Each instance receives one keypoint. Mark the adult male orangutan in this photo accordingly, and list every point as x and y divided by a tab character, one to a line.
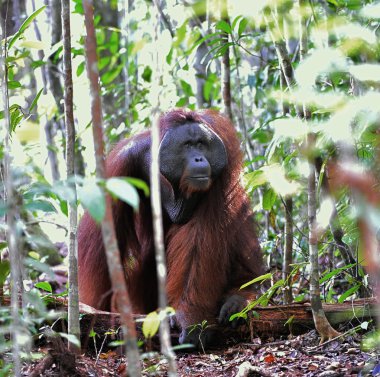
211	245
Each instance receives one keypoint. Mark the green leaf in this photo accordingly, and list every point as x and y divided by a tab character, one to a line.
139	184
235	21
269	199
93	200
348	293
256	280
122	189
242	26
111	75
181	102
35	100
25	24
334	272
147	74
45	286
114	43
5	269
80	68
40	205
180	34
289	321
186	87
224	26
151	325
103	62
14	84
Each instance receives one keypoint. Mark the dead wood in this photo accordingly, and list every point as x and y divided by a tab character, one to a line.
271	320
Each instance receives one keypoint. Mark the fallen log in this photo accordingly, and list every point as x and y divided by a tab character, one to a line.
270	321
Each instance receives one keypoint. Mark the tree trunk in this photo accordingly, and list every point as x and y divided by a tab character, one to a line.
226	66
73	309
108	232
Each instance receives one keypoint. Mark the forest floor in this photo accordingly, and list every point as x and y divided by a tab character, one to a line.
300	356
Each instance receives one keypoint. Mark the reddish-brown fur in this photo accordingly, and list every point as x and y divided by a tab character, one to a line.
208	258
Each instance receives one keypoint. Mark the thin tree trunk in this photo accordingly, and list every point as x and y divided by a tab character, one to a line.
15	253
322	324
73	308
288	206
108	232
166	347
226	66
288	250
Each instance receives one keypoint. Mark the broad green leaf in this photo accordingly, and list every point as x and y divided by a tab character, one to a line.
224	26
151	325
122	189
111	75
14	84
45	286
114	42
25	24
93	200
40	205
182	102
186	87
147	74
269	199
255	179
139	184
103	62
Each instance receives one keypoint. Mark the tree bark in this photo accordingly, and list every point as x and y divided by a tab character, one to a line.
321	322
166	347
14	246
288	250
226	66
73	309
108	232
